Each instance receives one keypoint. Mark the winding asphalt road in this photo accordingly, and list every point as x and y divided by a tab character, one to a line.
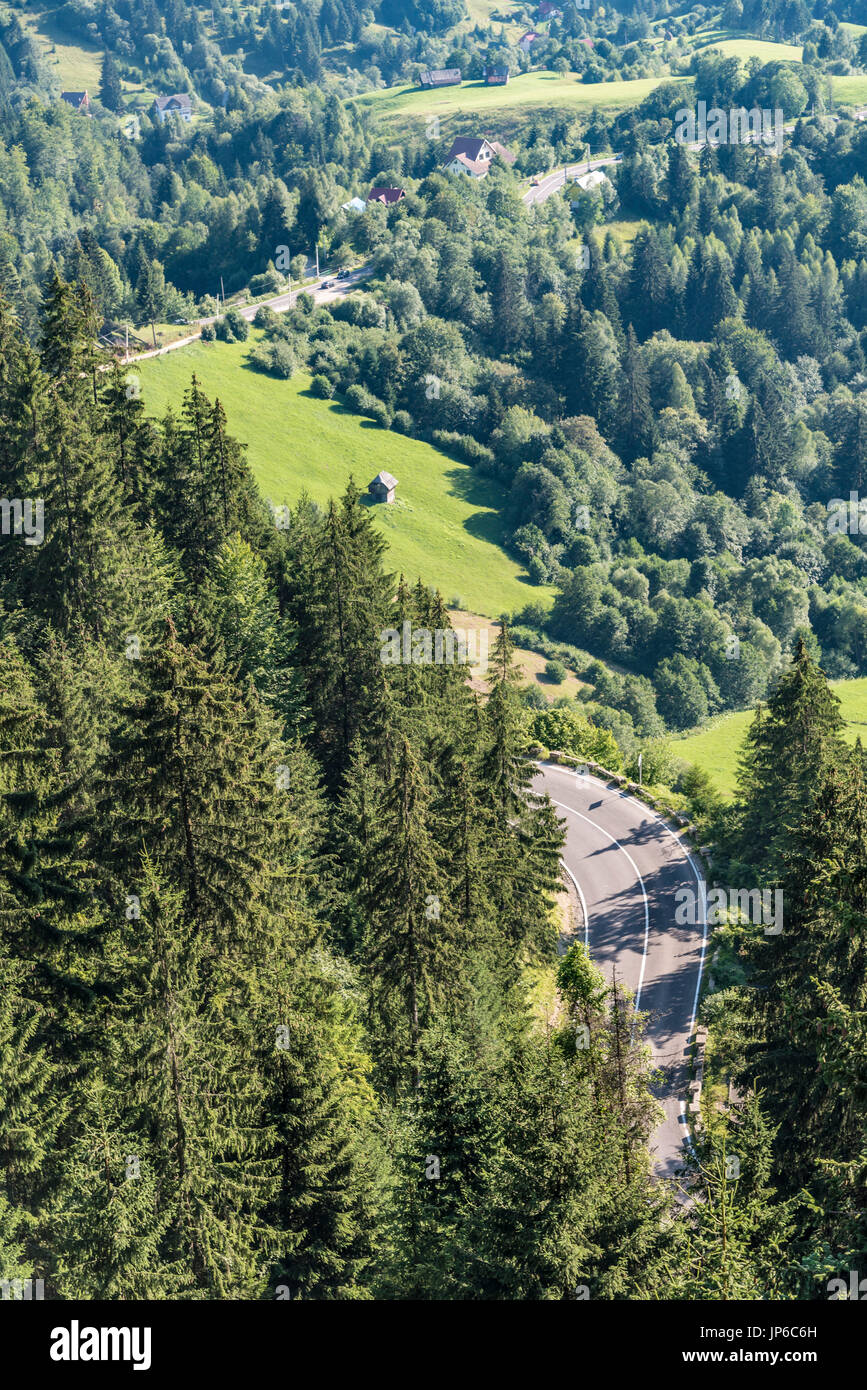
628	865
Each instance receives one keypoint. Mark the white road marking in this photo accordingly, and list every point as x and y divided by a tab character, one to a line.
702	886
625	851
583	903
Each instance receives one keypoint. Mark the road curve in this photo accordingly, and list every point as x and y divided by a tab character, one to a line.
629	864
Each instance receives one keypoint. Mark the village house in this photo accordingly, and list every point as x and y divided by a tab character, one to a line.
441	77
585	183
79	101
496	77
593	182
474	156
386	196
354	205
178	105
527	40
382	487
547	10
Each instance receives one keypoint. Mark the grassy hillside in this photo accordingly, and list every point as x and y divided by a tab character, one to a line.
444	525
850	91
76	65
532	89
738	47
715	748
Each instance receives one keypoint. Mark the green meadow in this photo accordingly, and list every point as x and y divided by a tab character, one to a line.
716	747
531	89
443	526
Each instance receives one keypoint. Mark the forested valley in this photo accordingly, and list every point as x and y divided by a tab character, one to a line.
300	998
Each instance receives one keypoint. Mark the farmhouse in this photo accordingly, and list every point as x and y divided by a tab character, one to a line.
386	196
177	105
441	77
381	489
527	40
496	77
79	101
585	183
473	156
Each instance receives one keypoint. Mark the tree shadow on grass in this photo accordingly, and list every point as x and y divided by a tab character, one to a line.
485	524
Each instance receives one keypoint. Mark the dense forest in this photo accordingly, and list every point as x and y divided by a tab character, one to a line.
271	913
290	1008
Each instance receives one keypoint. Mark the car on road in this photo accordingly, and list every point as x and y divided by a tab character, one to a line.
327	285
343	274
534	183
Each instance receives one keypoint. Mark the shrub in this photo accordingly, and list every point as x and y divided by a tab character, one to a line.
209	333
269	282
277	359
232	328
265	317
365	403
321	387
567	731
555	672
402	422
466	448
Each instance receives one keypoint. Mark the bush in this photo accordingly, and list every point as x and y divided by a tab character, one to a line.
269	282
365	403
233	328
555	672
265	317
277	359
321	387
466	448
209	333
567	731
402	422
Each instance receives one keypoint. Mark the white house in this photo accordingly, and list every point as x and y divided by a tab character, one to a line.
586	182
177	106
354	205
472	157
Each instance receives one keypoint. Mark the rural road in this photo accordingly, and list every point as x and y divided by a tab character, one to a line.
629	864
552	182
280	303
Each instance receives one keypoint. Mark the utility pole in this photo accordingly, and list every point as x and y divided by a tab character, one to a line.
223	292
640	757
317	260
126	353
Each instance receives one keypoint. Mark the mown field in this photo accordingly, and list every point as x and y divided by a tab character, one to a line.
736	46
850	91
531	89
443	527
716	747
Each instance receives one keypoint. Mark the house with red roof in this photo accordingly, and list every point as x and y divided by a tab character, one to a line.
387	196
